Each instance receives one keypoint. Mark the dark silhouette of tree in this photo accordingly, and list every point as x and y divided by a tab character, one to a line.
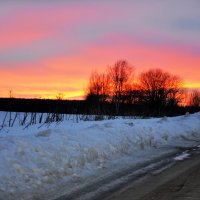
98	90
160	88
156	93
60	96
195	98
121	75
130	94
99	86
11	95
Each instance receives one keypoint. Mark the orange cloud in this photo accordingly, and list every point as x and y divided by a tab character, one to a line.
69	74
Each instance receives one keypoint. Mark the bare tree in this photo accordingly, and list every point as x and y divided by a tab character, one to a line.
98	88
121	74
131	94
160	88
195	98
60	96
11	95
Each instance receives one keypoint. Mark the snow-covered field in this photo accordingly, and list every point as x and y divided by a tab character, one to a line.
37	159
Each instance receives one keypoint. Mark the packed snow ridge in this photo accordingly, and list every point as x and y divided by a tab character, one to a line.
35	160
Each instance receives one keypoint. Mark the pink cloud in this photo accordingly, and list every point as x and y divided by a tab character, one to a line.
85	37
30	23
173	58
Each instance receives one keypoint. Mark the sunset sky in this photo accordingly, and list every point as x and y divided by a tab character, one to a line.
51	47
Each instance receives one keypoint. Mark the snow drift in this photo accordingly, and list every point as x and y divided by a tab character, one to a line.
36	160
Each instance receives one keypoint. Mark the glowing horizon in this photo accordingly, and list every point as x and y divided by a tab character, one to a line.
51	48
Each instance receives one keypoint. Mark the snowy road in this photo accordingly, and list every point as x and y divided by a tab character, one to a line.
98	188
179	182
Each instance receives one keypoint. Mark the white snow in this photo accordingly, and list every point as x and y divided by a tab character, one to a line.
182	156
35	160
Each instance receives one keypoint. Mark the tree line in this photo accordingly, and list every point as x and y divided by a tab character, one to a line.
153	92
118	91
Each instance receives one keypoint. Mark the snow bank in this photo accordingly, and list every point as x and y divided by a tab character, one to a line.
36	160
